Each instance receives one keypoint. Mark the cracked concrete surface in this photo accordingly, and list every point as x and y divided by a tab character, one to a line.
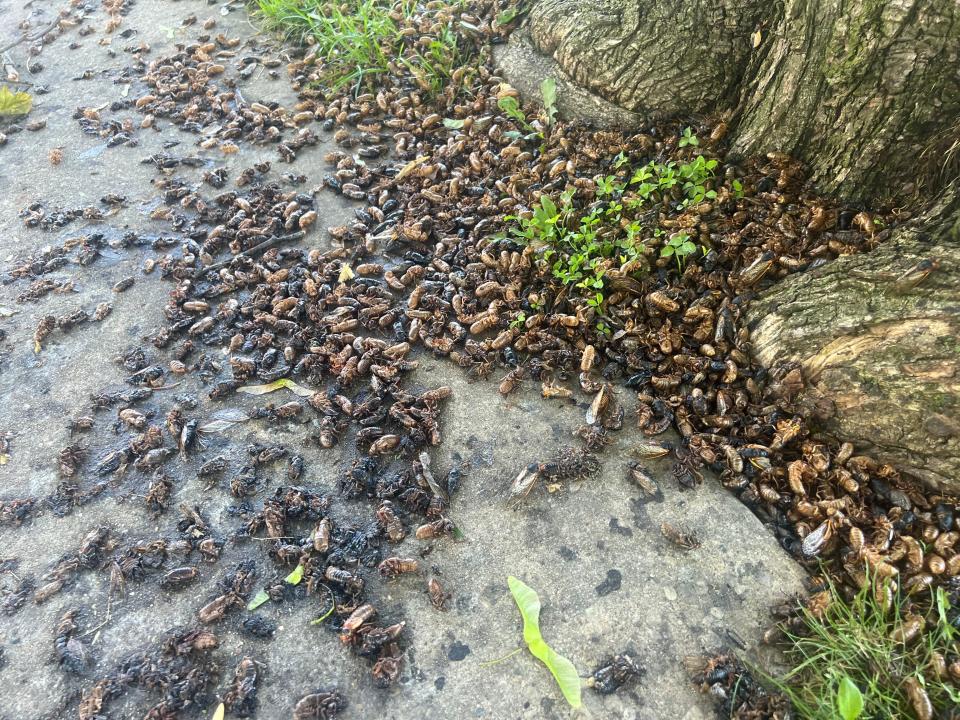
608	580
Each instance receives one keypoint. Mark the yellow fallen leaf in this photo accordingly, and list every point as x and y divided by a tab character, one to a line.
756	38
346	273
12	103
220	712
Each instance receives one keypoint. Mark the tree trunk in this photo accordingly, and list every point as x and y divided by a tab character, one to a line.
861	91
654	58
878	337
867	94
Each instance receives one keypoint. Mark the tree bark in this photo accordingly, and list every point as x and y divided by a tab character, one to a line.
658	59
867	94
878	337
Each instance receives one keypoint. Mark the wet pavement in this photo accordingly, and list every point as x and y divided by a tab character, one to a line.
609	581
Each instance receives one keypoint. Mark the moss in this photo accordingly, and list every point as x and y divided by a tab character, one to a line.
948	343
849	52
940	401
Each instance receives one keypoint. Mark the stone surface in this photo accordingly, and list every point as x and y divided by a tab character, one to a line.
525	68
607	578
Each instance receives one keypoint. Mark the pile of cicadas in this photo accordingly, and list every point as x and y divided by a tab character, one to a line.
435	227
431	264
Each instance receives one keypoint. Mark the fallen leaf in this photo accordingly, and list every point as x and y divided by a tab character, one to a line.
224	420
14	103
296	576
562	669
215	426
233	414
452	123
756	38
276	385
259	599
220	712
346	273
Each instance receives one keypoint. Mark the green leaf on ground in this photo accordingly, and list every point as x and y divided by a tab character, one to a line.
509	104
259	599
849	700
452	123
562	669
14	103
296	576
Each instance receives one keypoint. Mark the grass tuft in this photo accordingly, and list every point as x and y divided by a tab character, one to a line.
360	42
859	640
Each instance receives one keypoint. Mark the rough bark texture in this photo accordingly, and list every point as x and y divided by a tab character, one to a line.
867	93
884	351
654	58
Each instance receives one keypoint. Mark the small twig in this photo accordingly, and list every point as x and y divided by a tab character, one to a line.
106	620
31	37
491	663
266	244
